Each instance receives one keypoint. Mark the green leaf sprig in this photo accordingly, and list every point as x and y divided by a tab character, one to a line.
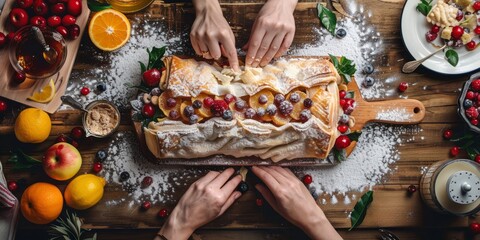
360	210
154	59
96	6
345	67
68	227
424	7
452	57
22	160
327	18
467	141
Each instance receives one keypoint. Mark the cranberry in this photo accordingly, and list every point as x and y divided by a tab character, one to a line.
19	77
307	179
471	45
342	128
173	114
474	122
294	97
262	99
10	36
163	213
58	9
411	189
308	103
40	7
38	21
85	91
68	20
24	3
146	205
279	98
74	7
62	30
343	102
73	31
12	186
171	102
457	32
477	30
447	134
474	226
61	138
97	167
402	87
229	98
435	29
342	94
430	36
3	39
475	85
305	115
151	77
197	104
477	158
470	95
285	108
77	133
147	181
218	107
259	202
459	16
18	17
148	110
342	142
476	5
472	113
454	151
74	143
54	21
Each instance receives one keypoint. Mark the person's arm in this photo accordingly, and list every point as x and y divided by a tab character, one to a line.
211	36
290	198
206	199
272	33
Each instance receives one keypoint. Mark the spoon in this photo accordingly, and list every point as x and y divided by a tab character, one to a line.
72	102
49	54
409	67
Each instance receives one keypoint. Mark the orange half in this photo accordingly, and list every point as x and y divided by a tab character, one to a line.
109	29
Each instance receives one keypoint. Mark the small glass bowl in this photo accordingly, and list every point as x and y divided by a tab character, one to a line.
461	100
90	107
26	52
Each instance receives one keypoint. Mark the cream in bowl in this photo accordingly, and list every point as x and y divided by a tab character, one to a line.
101	119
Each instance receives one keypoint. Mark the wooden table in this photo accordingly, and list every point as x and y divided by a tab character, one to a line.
392	208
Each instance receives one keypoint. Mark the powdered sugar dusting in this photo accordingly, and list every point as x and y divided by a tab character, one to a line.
396	114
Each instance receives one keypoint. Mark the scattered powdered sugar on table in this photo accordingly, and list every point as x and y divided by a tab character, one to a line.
394	114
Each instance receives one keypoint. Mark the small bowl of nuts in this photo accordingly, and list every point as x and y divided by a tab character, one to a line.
469	103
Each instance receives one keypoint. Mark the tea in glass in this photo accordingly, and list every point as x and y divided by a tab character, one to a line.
129	6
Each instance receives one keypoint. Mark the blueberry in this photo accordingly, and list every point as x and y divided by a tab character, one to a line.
308	103
294	97
227	115
262	99
466	30
313	191
156	92
101	87
368	69
197	104
243	187
341	33
279	98
305	115
344	119
260	112
124	176
467	103
173	114
368	82
240	105
271	109
286	107
188	111
171	102
101	155
250	113
193	119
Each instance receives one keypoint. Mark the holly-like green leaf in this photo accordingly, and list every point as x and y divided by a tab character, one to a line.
354	136
327	18
452	57
424	7
96	6
339	155
345	67
360	210
157	55
142	67
22	160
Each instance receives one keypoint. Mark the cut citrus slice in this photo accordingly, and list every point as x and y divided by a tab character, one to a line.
109	29
45	95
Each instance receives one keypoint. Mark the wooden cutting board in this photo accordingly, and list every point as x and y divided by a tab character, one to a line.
20	92
385	111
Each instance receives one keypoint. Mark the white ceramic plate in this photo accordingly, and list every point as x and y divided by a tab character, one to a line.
414	28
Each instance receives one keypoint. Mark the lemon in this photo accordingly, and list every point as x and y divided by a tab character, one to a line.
45	95
84	191
32	126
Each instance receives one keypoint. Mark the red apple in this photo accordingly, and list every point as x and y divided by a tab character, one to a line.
18	17
61	161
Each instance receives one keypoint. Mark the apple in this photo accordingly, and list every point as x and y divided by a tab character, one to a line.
61	161
18	17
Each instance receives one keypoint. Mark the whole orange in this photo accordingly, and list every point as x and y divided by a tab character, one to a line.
41	203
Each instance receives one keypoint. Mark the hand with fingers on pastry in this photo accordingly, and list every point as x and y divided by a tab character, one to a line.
272	32
290	198
205	200
211	36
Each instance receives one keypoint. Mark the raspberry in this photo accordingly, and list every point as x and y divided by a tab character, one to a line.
218	107
471	113
475	85
285	108
208	101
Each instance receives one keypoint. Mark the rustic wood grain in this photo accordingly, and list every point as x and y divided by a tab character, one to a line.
392	208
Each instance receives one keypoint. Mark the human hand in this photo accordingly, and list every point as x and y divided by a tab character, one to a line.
272	33
211	36
206	199
290	198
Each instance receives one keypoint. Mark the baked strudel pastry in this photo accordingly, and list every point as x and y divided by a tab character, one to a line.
286	110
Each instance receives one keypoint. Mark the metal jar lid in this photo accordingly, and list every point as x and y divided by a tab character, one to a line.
463	187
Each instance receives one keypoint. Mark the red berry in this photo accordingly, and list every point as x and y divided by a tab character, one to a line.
476	6
3	39
24	3
435	29
342	142
148	110
477	158
411	189
40	7
151	77
471	113
475	85
74	7
475	227
477	30
12	186
229	98
470	45
85	91
207	102
97	167
307	179
342	94
402	87
58	9
259	202
470	95
68	20
342	128
74	143
19	77
54	21
38	21
77	133
62	30
447	134
10	36
457	32
3	106
171	102
218	107
163	213
73	31
61	138
147	181
459	16
454	151
430	36
343	103
474	122
18	17
146	205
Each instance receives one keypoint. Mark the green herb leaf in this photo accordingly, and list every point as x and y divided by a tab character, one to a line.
157	57
452	57
327	18
350	94
96	6
424	7
345	67
140	87
360	210
142	67
354	135
339	155
22	160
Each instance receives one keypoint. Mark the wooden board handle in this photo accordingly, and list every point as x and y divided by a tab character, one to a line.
399	111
